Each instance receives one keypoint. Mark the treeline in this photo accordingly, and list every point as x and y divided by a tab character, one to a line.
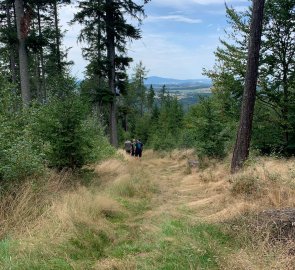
158	119
47	118
50	120
211	125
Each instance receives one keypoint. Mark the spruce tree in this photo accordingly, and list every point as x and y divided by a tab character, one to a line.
107	50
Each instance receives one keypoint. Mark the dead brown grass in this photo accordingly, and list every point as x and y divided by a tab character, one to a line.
22	206
49	212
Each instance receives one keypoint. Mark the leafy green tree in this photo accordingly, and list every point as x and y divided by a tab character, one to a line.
41	49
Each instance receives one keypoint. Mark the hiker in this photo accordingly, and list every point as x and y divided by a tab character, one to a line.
138	148
133	147
128	147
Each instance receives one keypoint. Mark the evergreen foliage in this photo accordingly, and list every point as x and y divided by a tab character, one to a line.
71	137
273	121
64	125
20	155
206	130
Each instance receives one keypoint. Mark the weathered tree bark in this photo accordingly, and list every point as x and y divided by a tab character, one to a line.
241	150
41	67
111	70
22	23
12	48
57	37
37	75
99	53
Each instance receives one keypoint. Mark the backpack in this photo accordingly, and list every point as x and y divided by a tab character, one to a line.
128	145
138	145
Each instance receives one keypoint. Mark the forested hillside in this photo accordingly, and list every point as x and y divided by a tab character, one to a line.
214	188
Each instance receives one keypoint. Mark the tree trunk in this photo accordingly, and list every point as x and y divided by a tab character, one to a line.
285	110
41	68
99	52
37	76
111	70
57	38
241	150
22	31
11	48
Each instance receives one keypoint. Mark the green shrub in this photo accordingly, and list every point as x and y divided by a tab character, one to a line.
20	155
71	138
97	146
205	130
20	160
162	141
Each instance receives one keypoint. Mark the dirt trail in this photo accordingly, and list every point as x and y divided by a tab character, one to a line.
204	194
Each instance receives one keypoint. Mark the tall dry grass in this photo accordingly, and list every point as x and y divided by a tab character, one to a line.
58	211
21	206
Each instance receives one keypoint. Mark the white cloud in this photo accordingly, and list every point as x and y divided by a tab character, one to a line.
161	53
177	18
171	60
182	3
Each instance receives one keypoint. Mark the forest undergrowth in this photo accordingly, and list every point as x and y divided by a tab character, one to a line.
156	213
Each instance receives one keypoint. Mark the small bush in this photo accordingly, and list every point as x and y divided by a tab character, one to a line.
20	155
21	160
71	138
164	142
246	184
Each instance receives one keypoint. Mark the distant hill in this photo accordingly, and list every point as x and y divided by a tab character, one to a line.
158	82
188	92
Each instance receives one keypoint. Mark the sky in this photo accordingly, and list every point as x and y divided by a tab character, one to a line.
179	37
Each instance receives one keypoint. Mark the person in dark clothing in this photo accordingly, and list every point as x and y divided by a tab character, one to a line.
138	148
133	147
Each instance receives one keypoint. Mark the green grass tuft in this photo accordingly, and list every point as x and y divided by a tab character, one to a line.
88	244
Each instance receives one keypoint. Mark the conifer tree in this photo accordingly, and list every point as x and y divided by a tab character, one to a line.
140	89
242	146
276	72
151	98
108	19
23	20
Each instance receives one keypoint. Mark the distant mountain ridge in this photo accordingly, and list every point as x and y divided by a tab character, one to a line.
156	81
